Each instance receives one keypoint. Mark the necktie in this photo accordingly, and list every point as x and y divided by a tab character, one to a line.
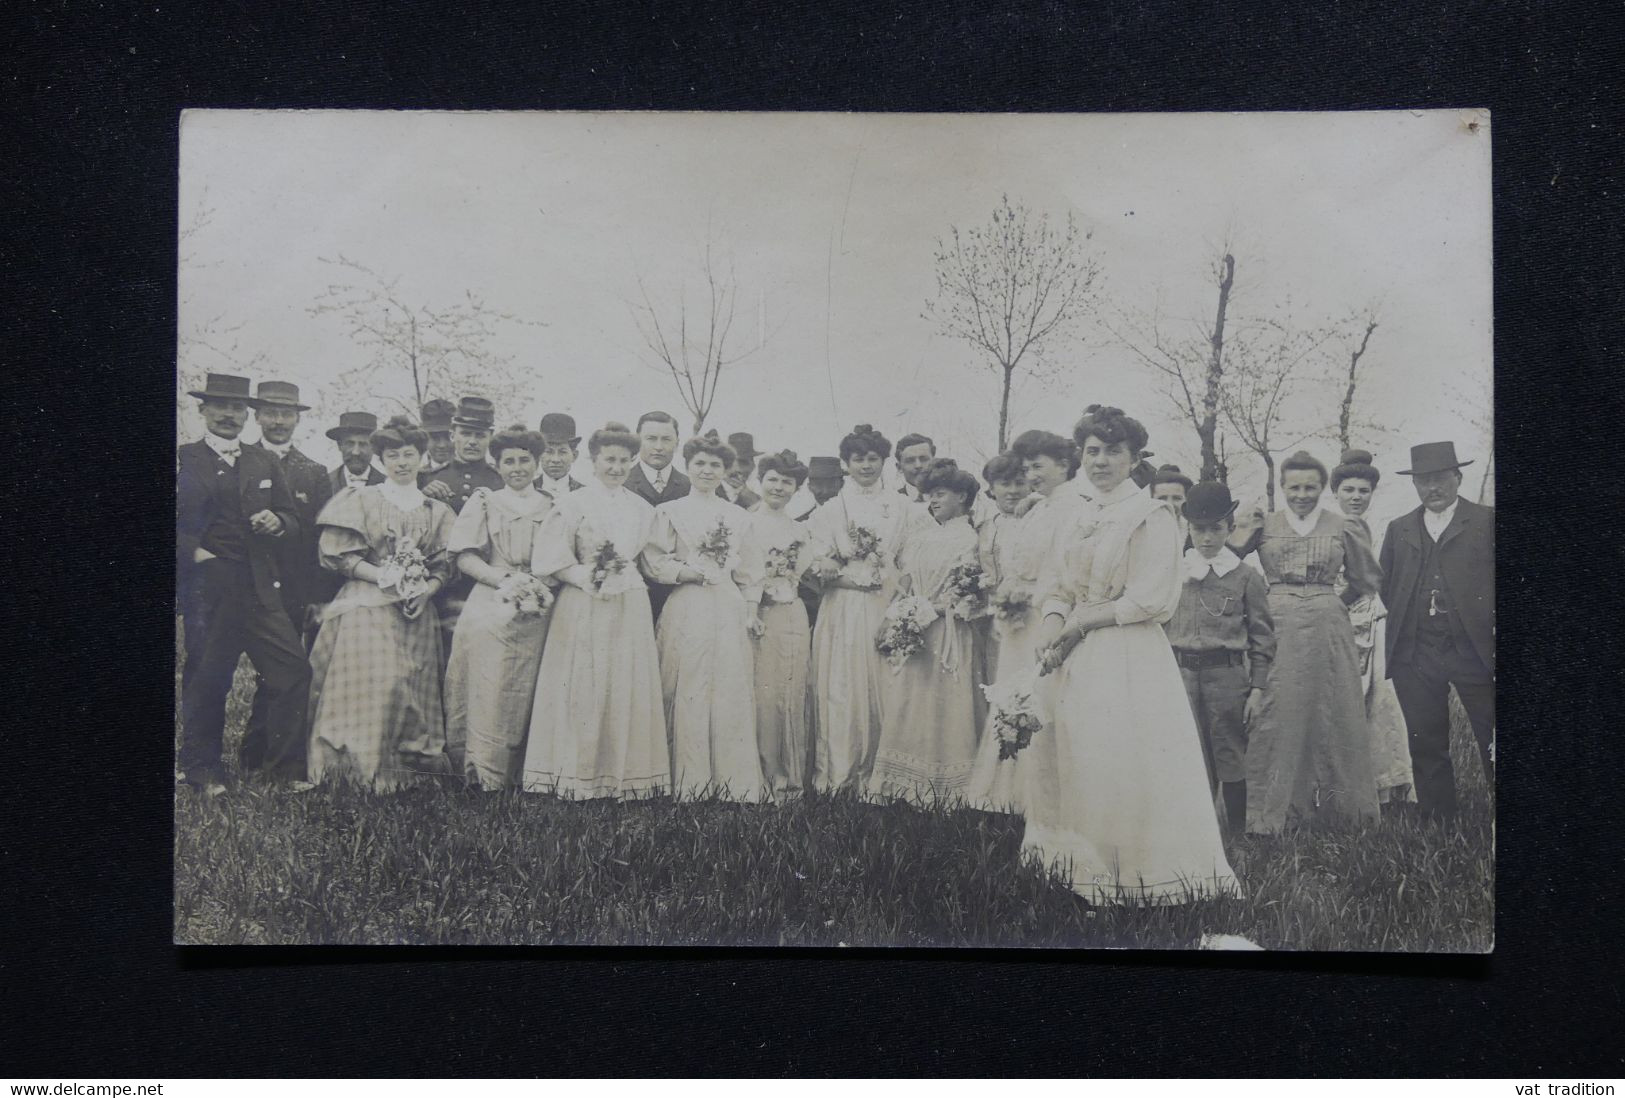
660	481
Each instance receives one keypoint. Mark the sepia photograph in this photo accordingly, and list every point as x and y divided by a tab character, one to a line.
835	530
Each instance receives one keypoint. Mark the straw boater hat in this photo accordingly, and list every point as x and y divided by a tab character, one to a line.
278	394
1433	457
474	411
353	423
1209	501
222	387
558	427
436	416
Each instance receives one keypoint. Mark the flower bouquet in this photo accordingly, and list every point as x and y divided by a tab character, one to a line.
865	555
404	571
967	590
903	632
714	551
529	595
783	569
1014	712
606	564
1011	603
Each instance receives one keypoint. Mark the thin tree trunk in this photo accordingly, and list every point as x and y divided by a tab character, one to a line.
1269	479
1004	408
1215	372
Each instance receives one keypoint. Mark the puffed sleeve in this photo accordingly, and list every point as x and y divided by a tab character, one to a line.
439	561
553	551
659	557
1359	563
472	528
343	525
1151	590
1260	628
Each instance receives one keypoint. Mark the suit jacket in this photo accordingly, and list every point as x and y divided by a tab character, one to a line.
304	581
573	484
676	486
747	499
262	487
336	479
1467	561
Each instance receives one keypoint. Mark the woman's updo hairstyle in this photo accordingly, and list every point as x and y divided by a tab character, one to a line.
399	432
1303	461
785	463
1062	451
613	434
1005	466
1111	426
864	439
946	473
709	443
516	437
1355	465
1170	474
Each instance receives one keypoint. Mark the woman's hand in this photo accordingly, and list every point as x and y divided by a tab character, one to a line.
685	574
1053	656
825	569
754	626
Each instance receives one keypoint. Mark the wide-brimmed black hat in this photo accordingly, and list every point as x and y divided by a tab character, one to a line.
743	444
559	427
474	412
353	423
278	394
436	416
824	467
1209	501
222	387
1432	457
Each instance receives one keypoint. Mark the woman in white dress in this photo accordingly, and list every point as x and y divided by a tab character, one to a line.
781	630
1354	481
697	546
1114	789
933	702
497	646
598	727
856	537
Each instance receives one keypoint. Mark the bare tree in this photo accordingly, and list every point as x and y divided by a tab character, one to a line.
1345	413
203	345
1268	358
419	351
1010	287
689	340
1189	362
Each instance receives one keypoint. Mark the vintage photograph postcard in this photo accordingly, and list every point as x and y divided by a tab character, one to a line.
835	530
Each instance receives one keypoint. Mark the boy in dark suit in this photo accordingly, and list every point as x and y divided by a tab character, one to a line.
1438	582
560	448
233	509
654	479
1224	641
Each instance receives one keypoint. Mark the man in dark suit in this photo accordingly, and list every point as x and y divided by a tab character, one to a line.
435	417
354	437
737	484
233	511
1438	581
913	456
653	478
560	448
469	471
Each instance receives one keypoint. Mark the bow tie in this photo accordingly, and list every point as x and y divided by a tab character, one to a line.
229	452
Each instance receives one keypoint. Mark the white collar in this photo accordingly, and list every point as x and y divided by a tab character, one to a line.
1437	522
404	496
226	448
1305	526
356	480
1126	489
280	451
652	474
1197	566
544	481
853	488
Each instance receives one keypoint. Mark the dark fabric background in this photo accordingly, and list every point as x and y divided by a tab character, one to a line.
90	985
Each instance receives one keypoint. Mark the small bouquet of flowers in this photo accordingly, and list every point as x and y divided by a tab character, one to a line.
903	632
1014	712
1012	602
606	564
714	552
865	552
966	589
783	569
404	571
529	595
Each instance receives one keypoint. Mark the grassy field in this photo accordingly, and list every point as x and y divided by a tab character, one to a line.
455	867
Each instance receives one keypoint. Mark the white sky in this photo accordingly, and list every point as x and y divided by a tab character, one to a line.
831	222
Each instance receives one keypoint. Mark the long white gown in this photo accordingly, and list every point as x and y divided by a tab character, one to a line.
707	672
1114	789
784	701
847	669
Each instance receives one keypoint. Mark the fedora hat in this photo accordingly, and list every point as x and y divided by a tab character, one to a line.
824	467
744	445
223	387
353	423
278	394
559	427
1209	501
1432	457
474	411
436	416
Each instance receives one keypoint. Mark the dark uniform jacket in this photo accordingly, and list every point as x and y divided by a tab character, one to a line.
213	502
1466	561
463	477
677	485
304	583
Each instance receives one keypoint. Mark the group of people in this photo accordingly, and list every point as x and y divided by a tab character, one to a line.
473	613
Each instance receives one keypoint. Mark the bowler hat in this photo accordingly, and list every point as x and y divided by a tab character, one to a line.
1209	501
353	423
222	387
743	445
436	416
558	427
474	412
824	467
1432	457
278	394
